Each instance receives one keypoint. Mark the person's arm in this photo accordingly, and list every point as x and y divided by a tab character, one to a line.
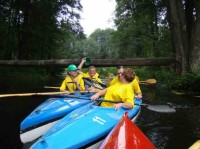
136	88
92	89
82	85
97	95
82	63
79	84
79	87
139	95
124	105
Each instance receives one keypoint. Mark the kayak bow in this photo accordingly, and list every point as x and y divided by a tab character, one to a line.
126	135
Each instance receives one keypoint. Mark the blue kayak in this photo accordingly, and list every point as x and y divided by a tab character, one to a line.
84	127
48	113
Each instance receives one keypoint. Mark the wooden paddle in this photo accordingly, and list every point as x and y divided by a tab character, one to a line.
53	87
149	81
87	81
38	94
32	94
196	145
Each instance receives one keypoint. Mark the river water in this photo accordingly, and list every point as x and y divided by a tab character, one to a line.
177	130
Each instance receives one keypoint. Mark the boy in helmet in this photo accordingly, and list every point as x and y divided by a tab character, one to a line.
73	82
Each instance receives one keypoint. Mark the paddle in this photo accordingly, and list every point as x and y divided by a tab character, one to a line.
160	108
53	87
38	94
32	94
156	108
149	81
88	82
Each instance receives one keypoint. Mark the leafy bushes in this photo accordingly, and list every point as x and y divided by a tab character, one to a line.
188	82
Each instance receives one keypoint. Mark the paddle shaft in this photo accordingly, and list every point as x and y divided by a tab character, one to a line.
155	108
38	94
53	87
148	81
100	99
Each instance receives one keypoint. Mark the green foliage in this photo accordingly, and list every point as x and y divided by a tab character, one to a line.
36	29
142	29
51	29
188	82
98	45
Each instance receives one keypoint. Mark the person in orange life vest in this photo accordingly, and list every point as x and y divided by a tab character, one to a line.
73	81
92	74
120	92
134	83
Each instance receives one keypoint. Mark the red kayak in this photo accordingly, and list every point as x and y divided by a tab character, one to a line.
126	135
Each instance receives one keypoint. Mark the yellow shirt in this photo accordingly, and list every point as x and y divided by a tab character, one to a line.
68	84
137	78
134	84
119	92
94	78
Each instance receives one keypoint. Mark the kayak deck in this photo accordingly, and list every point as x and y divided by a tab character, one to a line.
83	126
48	113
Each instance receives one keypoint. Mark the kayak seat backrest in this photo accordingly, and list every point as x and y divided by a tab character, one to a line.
97	103
91	83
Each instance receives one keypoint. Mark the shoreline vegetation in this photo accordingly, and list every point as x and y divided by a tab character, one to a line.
179	85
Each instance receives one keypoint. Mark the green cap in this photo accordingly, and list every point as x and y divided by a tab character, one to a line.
88	61
72	67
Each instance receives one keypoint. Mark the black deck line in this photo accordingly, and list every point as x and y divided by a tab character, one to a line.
41	124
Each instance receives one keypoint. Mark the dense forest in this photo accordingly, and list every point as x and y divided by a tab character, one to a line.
50	29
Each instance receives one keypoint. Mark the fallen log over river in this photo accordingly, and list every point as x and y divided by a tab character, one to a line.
95	62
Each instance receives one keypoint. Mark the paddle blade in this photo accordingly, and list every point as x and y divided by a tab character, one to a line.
161	108
149	81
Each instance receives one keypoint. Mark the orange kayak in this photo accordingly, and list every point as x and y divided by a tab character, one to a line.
126	135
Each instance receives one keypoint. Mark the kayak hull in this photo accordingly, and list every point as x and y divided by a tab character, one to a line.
47	114
126	135
83	128
33	134
98	143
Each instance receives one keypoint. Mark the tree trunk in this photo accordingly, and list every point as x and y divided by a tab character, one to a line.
23	51
176	18
195	41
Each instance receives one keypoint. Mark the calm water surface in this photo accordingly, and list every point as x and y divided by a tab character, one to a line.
166	130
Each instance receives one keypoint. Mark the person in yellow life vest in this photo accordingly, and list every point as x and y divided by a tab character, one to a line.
134	83
120	92
91	74
73	82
